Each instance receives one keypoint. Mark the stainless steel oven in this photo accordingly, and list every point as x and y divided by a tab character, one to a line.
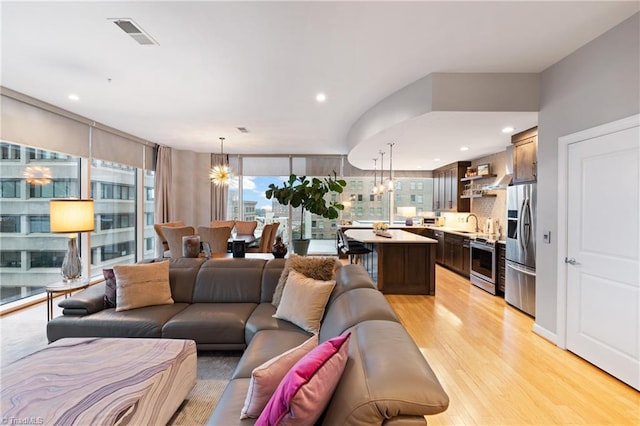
483	264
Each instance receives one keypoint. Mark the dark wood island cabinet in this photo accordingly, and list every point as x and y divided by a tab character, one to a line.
401	264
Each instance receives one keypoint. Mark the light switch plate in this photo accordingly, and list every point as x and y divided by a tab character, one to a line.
546	237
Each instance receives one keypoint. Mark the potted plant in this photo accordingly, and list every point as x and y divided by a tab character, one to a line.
309	195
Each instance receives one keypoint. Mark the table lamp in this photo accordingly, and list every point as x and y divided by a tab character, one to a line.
408	212
71	216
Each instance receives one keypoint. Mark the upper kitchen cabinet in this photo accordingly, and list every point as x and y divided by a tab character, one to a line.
447	189
525	156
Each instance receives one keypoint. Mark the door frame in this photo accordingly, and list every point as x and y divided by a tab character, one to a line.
563	181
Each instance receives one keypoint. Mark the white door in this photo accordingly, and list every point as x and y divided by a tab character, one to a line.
603	253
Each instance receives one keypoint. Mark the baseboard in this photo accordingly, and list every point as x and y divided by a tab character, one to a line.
546	334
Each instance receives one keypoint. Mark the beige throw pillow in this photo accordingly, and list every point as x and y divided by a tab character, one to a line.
141	285
318	268
303	301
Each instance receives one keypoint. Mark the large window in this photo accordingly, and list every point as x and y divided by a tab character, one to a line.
30	256
113	240
360	203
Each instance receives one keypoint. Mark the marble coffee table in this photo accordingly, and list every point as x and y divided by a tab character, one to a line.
100	381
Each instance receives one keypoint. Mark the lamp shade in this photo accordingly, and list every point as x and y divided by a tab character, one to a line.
71	215
407	211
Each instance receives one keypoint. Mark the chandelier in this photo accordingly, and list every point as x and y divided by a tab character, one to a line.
221	174
37	175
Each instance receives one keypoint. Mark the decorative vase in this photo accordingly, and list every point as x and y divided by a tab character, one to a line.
279	250
71	265
191	246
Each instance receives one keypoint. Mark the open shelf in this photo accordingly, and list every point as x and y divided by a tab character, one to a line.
466	179
478	195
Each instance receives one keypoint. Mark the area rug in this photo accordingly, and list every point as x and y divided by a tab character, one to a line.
214	372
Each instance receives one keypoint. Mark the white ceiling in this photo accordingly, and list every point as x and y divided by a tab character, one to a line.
220	65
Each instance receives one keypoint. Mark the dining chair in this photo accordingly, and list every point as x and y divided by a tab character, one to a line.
267	239
174	236
220	223
216	236
246	227
158	228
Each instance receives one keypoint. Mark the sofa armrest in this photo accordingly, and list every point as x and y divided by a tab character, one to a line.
86	302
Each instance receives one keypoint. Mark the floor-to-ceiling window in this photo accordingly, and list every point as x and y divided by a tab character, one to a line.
30	256
247	199
113	189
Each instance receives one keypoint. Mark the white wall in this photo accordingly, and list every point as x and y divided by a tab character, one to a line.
596	84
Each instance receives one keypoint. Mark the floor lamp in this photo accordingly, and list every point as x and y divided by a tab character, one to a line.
71	216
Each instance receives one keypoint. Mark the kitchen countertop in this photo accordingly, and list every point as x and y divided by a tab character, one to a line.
398	236
470	234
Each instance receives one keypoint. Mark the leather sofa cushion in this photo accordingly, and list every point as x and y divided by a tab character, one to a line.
141	322
219	323
349	277
182	277
265	345
227	411
386	376
353	307
229	281
85	302
262	319
270	276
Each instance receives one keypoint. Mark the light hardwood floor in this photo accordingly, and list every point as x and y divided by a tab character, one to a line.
499	372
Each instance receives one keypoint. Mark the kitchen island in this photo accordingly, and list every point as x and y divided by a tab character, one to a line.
403	263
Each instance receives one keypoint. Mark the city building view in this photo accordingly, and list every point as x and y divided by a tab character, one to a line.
30	255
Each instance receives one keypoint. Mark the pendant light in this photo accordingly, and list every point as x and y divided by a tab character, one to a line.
381	187
390	182
374	191
221	174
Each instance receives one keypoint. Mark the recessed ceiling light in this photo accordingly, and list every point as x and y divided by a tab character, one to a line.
321	97
74	97
464	148
508	129
436	159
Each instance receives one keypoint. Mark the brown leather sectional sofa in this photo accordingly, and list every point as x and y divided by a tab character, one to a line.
225	304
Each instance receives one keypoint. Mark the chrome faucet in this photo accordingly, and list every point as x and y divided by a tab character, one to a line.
476	217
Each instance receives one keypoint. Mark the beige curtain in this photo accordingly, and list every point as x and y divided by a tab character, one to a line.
163	208
219	194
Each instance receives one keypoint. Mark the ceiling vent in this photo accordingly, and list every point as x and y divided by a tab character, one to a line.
128	26
242	129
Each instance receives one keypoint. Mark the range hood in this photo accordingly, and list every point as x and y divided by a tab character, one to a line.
500	183
504	181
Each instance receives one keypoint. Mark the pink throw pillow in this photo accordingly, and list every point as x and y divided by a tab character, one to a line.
266	377
305	391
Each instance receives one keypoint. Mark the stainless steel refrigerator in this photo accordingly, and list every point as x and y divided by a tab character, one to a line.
520	284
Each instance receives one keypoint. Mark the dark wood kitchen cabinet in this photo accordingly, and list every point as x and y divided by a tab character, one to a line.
502	265
454	253
437	235
525	156
447	189
466	258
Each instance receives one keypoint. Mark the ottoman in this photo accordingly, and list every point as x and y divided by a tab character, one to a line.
100	381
